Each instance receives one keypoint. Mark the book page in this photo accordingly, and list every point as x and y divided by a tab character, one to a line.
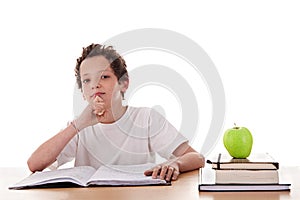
124	175
77	175
254	161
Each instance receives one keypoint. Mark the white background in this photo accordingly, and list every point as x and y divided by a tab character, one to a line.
254	45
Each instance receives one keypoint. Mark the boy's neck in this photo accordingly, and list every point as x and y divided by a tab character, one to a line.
114	115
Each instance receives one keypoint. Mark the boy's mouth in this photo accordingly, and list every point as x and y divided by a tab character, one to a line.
98	94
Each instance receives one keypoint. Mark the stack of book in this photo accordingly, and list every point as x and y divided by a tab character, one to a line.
259	172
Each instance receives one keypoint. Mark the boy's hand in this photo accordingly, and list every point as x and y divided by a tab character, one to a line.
167	171
92	114
98	106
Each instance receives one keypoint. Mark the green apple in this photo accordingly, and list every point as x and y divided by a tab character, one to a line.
238	142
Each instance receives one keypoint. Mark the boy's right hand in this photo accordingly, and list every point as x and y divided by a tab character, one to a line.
98	106
88	117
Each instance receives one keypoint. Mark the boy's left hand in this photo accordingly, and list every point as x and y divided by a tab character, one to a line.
167	171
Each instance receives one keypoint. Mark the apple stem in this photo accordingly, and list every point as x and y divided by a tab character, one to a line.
235	127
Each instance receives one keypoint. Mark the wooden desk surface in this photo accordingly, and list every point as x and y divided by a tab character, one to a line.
186	187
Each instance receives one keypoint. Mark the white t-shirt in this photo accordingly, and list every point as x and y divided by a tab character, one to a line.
133	139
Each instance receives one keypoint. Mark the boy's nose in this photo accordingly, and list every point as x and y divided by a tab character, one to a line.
96	84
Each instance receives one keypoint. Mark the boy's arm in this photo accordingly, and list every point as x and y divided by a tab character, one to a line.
187	159
47	153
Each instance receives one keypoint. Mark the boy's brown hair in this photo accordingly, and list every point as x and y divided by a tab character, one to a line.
117	63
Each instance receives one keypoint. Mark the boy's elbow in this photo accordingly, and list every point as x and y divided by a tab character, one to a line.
31	165
35	164
198	160
201	159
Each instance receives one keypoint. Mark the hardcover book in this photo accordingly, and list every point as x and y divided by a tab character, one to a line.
207	184
247	176
85	176
262	161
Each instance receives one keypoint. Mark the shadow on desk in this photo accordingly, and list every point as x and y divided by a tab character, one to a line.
245	195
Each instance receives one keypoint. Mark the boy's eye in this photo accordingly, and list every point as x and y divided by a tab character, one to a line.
104	76
85	81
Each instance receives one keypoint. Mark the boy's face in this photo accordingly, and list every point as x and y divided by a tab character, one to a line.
98	79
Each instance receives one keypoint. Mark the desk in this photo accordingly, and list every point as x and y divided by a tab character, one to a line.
186	187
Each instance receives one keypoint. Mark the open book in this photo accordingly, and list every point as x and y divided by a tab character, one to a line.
84	176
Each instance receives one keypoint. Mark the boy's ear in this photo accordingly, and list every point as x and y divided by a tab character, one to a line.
124	85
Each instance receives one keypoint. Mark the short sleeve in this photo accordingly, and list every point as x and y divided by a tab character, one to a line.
68	153
164	137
